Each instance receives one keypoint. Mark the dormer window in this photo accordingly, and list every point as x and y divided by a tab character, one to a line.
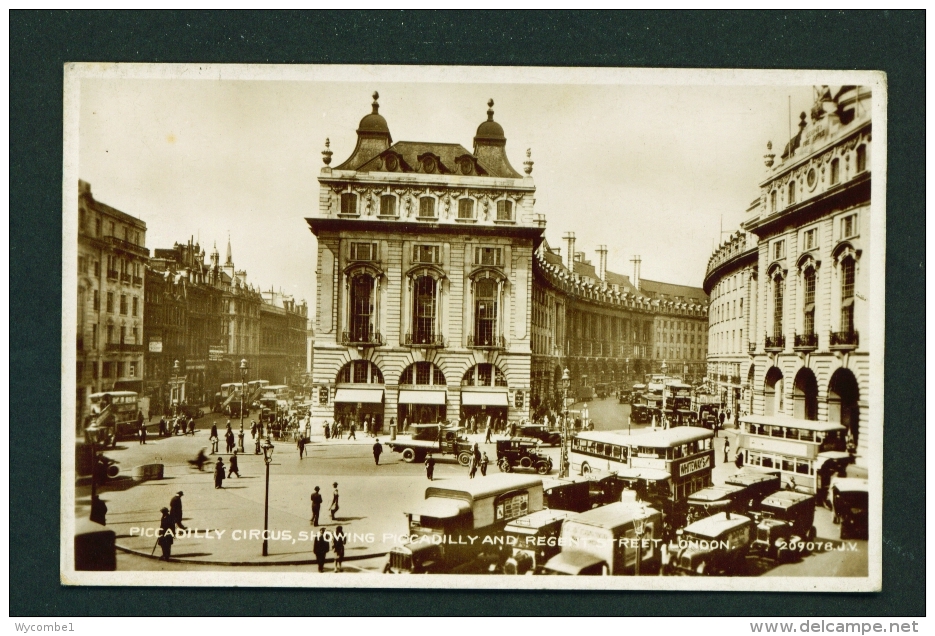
465	208
348	203
427	208
429	165
504	210
387	205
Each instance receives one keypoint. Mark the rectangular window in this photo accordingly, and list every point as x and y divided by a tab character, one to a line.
363	251
810	239
488	256
97	227
136	335
465	208
348	203
861	158
777	307
97	300
835	171
847	295
504	210
849	226
791	192
779	250
123	335
426	254
110	302
135	305
387	205
809	315
94	337
427	208
123	304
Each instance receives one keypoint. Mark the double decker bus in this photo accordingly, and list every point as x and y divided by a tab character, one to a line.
115	411
807	453
664	466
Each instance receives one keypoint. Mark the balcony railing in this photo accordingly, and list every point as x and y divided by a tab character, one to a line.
125	347
775	343
493	342
751	347
126	278
127	246
430	341
138	281
113	274
806	341
844	339
372	339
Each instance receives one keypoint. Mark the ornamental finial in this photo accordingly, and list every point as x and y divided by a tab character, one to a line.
326	153
528	163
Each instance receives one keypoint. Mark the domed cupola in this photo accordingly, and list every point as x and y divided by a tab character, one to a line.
373	137
490	147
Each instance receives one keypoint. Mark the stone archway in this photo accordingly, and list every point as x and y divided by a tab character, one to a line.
772	392
843	401
805	395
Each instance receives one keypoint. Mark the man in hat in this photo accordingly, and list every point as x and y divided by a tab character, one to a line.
320	548
234	469
214	438
377	451
334	502
164	535
316	505
219	473
175	510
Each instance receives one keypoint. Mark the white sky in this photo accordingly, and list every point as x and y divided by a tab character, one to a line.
646	170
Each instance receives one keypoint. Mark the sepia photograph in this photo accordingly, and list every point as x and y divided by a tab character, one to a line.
327	326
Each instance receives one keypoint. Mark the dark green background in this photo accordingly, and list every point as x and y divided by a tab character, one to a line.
41	42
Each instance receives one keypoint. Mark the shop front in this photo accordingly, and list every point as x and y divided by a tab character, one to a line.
420	406
482	407
359	405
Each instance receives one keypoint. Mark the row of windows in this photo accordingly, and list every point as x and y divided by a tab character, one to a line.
427	207
127	233
786	464
811	178
115	335
848	228
847	273
109	370
679	353
125	305
429	254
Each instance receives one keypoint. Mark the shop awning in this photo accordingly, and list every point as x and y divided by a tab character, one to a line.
410	396
364	396
484	398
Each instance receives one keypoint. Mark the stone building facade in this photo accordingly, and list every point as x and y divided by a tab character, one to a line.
728	277
807	331
283	339
680	326
112	259
424	277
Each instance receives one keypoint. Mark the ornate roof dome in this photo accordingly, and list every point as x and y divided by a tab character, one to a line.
374	122
490	130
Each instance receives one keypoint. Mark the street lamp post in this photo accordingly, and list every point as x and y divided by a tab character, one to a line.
566	383
175	388
639	527
268	458
243	377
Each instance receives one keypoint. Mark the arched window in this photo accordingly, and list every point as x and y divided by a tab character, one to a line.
484	374
360	372
504	210
424	373
485	312
843	407
848	268
361	327
808	317
777	306
424	309
348	203
772	392
805	395
465	208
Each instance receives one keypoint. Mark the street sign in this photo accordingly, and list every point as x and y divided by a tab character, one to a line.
155	345
216	353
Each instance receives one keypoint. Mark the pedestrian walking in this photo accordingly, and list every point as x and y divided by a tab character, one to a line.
337	545
377	451
726	450
240	436
430	467
316	506
165	535
484	460
142	432
333	509
175	426
219	474
234	468
320	548
476	453
720	423
229	438
301	446
327	430
214	438
352	432
472	467
175	511
253	429
162	427
488	433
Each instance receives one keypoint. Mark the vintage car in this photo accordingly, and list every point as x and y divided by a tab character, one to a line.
534	539
541	433
715	545
785	520
189	410
849	497
522	452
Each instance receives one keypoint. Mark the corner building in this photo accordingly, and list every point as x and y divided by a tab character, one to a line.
807	282
424	273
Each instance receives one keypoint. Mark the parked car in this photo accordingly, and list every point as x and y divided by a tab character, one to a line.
522	452
849	496
192	411
784	521
541	433
714	545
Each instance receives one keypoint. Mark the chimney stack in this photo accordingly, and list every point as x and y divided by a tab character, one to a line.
636	270
602	262
570	251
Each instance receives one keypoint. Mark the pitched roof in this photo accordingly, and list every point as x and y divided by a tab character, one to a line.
655	288
411	151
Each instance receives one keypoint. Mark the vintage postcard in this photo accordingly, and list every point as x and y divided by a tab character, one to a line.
564	328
